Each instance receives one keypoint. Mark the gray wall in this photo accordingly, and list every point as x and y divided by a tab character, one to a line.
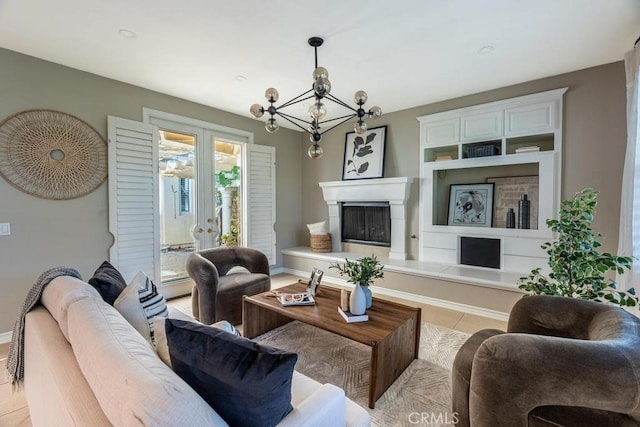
46	233
594	145
49	233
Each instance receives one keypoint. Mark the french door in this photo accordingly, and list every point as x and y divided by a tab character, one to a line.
199	186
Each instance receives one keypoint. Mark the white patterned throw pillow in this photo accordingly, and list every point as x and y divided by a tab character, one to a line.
139	303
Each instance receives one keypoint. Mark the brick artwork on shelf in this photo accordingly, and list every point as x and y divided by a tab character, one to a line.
506	194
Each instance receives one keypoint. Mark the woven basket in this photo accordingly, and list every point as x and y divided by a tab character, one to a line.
320	242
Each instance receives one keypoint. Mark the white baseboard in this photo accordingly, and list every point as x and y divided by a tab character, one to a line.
276	270
5	337
465	308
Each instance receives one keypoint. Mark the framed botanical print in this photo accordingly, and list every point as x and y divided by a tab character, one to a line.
364	154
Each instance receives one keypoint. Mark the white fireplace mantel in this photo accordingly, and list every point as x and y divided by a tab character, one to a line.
392	190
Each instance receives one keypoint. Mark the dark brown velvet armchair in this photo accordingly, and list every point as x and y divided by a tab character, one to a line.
217	294
562	362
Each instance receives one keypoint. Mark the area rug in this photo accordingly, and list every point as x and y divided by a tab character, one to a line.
421	394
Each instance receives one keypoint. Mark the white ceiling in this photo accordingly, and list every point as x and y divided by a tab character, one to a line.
404	53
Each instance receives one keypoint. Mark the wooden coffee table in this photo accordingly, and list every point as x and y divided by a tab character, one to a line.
392	331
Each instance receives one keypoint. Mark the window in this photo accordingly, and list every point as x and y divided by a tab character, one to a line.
185	196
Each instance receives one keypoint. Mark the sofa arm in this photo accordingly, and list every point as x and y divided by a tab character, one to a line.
515	373
461	373
554	316
205	276
324	408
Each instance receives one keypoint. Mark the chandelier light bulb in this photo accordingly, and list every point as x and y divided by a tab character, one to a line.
320	72
322	86
257	110
272	95
360	97
360	127
317	110
271	126
375	112
315	151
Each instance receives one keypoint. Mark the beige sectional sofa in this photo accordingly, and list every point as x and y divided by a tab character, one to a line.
85	365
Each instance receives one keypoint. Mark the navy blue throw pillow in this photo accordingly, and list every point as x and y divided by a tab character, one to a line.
108	282
246	383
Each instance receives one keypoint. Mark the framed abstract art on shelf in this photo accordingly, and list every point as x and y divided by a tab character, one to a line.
471	205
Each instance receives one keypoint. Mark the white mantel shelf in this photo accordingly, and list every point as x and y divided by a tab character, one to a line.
379	189
392	190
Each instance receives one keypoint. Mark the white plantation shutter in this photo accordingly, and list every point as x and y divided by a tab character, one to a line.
261	199
134	201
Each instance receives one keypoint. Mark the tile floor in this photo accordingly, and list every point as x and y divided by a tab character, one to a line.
14	411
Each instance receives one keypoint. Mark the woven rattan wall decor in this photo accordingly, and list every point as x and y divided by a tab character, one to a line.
51	155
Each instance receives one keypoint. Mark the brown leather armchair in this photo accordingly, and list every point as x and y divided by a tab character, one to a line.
562	362
218	290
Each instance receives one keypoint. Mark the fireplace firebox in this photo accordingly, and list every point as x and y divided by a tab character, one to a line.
366	222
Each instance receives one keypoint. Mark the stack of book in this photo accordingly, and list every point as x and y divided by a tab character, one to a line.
530	149
352	318
442	158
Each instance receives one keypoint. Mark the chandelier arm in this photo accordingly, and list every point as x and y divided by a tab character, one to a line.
296	99
338	124
339	102
289	118
347	117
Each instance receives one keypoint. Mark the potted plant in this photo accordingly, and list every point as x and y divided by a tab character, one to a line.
361	273
578	269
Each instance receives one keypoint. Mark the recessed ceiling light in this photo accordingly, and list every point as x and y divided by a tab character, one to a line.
240	78
485	50
127	34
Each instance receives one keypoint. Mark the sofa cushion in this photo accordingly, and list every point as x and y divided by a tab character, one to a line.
134	387
139	303
245	382
108	282
60	293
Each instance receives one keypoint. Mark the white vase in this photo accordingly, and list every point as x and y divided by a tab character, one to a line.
357	300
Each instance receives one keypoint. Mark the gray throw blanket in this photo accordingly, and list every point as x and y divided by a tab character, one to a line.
15	359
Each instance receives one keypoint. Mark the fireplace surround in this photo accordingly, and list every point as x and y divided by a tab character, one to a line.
394	191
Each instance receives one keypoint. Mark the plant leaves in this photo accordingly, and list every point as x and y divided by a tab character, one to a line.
363	151
371	137
363	167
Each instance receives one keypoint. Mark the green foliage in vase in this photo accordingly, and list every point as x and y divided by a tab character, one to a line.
362	271
578	269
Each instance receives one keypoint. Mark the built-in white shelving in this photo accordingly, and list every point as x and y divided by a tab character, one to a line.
449	145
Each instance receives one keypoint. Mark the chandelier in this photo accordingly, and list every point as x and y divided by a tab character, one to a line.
320	91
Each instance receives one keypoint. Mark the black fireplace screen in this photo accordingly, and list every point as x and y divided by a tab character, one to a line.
368	223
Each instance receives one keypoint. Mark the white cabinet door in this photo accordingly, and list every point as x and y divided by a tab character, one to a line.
442	132
531	119
481	126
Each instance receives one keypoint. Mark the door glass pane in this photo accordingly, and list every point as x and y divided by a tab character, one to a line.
228	158
177	203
